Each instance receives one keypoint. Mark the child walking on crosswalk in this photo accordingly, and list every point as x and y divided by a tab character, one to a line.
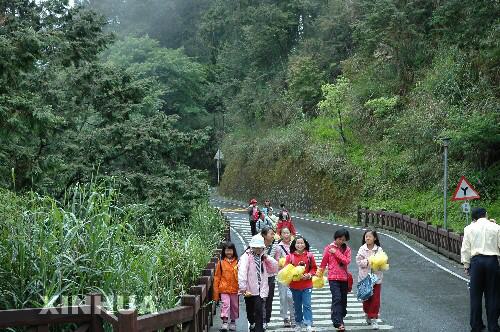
302	286
226	286
370	245
337	257
253	269
286	300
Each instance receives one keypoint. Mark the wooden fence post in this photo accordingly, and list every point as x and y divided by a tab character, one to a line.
199	291
208	272
192	301
127	320
96	322
397	219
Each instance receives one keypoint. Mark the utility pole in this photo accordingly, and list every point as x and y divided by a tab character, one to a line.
446	142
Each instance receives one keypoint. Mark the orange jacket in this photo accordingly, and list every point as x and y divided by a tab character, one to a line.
226	278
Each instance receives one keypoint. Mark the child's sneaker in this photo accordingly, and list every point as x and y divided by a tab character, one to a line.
368	320
265	326
232	326
286	323
298	328
374	324
251	328
309	329
224	327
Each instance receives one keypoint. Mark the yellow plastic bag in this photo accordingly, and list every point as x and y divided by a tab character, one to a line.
285	275
379	261
318	282
281	262
298	272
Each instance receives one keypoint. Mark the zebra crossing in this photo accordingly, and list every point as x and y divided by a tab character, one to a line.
321	298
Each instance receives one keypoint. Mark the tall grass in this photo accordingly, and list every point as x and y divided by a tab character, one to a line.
91	243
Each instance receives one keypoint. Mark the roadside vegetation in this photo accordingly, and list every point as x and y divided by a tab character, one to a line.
92	241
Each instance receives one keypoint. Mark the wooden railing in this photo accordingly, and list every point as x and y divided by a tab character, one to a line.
194	313
444	241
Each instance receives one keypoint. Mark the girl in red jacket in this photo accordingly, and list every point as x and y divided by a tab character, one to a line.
285	221
337	257
302	289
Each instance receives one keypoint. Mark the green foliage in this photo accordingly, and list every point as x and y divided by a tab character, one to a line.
336	104
181	81
276	166
428	206
321	94
93	242
381	107
173	23
304	81
67	114
395	77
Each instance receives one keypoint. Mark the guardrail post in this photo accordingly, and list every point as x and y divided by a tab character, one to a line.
127	320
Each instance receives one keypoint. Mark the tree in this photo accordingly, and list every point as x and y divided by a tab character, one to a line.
181	82
67	117
334	103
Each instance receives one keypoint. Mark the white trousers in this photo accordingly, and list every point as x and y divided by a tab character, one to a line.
286	303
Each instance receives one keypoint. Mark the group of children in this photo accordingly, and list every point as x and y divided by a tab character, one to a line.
253	275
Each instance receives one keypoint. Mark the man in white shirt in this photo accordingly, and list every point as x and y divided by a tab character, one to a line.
480	254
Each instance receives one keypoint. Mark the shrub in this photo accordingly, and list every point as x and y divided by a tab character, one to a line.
90	242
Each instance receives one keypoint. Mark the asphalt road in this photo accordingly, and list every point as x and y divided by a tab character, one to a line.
422	291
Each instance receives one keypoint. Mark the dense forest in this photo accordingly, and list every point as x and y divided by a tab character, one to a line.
103	183
330	104
321	104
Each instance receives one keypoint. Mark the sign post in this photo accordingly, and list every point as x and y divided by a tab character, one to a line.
466	210
218	157
465	192
446	141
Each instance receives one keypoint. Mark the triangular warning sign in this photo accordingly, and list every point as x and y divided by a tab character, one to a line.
464	191
219	155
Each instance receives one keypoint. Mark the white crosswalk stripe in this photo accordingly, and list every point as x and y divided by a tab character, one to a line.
321	298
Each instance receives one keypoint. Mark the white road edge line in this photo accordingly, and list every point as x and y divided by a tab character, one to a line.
239	236
401	242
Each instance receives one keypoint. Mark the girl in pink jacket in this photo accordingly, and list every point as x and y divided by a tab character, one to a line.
370	245
253	269
337	256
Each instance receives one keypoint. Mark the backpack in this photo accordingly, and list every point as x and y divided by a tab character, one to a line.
255	214
284	250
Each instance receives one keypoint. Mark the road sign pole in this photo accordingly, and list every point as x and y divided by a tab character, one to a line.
218	158
218	171
467	214
445	180
466	217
